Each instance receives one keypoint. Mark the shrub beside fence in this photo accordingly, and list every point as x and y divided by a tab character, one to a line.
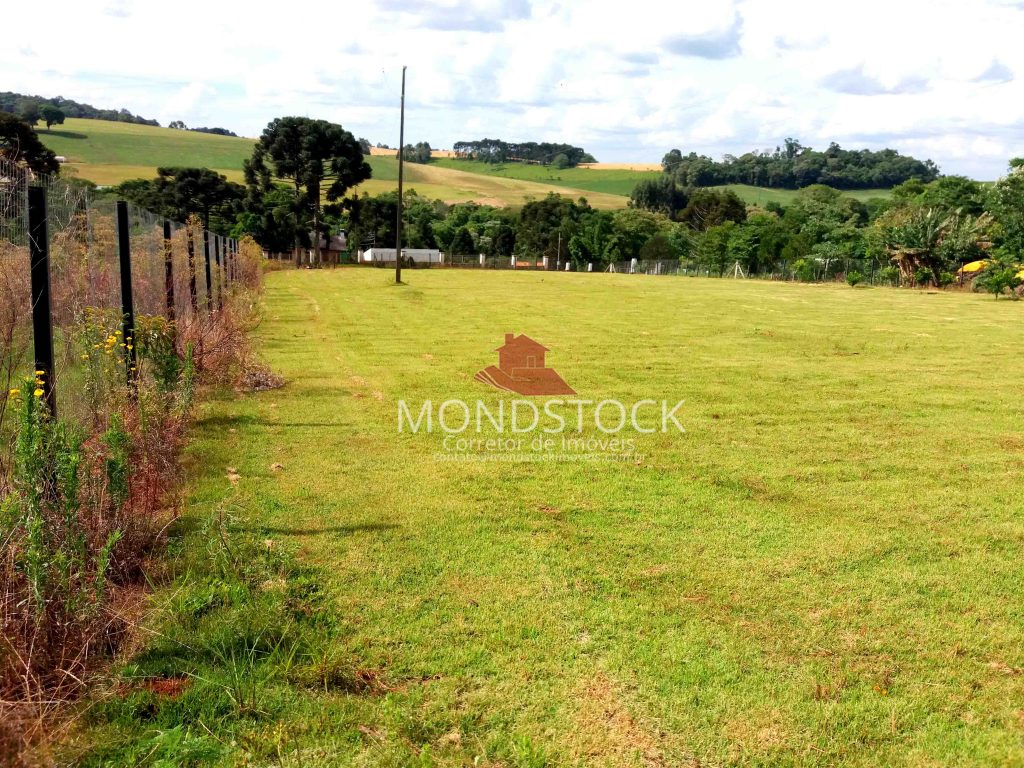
109	316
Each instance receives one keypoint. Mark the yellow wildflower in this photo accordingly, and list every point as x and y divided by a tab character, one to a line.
14	393
40	373
38	392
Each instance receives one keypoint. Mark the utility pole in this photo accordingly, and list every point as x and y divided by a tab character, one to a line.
398	226
558	254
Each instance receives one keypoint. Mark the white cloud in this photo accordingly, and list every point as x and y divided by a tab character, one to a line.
929	77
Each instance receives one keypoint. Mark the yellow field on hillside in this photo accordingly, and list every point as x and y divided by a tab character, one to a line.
452	185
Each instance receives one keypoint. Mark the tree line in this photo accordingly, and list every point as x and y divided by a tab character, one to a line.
53	111
794	166
921	235
20	104
180	126
497	151
554	227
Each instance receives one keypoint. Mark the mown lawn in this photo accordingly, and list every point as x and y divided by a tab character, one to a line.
825	569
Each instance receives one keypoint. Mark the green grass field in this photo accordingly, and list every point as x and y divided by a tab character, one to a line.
608	181
618	182
109	153
825	569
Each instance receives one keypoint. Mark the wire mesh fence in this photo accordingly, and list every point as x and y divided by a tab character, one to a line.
811	269
110	267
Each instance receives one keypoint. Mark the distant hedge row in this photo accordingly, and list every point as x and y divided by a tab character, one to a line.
14	103
543	153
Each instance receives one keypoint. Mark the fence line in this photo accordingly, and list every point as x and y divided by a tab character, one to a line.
810	270
76	270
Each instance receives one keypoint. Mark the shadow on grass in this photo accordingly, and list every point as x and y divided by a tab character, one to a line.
67	134
226	421
298	424
341	530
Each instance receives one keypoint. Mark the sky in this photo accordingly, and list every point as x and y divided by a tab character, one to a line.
627	81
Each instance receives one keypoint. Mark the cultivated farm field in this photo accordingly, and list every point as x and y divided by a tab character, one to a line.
823	570
445	180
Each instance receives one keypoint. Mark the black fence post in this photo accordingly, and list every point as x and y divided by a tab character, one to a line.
42	318
124	249
168	271
191	243
220	272
209	277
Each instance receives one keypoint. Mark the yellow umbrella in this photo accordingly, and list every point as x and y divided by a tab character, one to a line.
974	266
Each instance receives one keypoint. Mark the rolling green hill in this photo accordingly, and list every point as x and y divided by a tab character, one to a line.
109	153
613	182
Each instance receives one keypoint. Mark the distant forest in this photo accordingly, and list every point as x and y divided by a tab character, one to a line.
541	153
14	103
794	166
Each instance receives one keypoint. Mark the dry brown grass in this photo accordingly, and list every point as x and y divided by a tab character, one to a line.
608	734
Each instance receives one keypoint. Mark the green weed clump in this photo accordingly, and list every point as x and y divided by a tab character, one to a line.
60	543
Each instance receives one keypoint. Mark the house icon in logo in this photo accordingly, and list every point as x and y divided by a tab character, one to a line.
521	369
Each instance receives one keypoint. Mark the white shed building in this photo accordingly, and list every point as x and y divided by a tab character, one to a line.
387	256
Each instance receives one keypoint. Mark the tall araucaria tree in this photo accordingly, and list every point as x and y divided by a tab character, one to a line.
319	158
184	191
